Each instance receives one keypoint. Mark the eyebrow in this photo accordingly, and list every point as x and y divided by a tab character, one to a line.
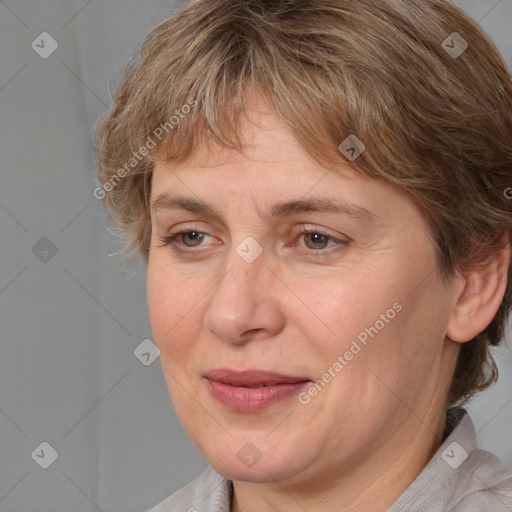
319	204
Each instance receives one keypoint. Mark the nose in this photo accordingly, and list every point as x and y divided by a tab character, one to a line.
245	303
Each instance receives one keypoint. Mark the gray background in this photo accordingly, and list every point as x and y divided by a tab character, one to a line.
70	315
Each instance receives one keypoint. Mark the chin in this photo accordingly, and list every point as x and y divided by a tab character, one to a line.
261	473
244	461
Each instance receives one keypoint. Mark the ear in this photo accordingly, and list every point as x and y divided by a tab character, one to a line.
479	299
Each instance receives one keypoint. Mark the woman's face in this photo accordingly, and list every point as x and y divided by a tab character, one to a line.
353	305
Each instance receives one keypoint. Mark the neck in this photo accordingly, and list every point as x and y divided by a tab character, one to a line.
374	482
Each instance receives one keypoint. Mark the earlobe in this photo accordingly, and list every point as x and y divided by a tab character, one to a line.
479	299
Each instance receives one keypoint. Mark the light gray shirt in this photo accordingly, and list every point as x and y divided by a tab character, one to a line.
460	477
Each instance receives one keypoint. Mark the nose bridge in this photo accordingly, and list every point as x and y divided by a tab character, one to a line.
245	265
239	295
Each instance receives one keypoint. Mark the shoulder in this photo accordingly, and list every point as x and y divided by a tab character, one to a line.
460	477
484	483
210	491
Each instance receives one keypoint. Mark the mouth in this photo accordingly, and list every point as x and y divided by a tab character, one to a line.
249	386
252	378
252	390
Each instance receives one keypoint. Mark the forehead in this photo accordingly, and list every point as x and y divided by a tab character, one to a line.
275	173
264	136
267	142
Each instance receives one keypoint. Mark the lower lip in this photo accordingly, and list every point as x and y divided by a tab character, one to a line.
252	399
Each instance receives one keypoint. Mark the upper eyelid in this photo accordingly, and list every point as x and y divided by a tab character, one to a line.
301	229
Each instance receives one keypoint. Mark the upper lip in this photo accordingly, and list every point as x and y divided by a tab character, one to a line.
252	377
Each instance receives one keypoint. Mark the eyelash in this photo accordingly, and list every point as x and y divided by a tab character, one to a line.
170	240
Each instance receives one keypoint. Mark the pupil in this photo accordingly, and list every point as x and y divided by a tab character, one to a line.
316	237
193	234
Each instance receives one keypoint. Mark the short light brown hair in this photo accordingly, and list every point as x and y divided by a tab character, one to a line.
436	124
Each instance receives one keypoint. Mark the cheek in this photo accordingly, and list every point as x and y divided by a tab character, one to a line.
341	310
172	309
370	319
171	312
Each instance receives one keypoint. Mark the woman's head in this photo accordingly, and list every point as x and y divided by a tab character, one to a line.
401	108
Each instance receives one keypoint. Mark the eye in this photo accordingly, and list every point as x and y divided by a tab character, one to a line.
194	236
318	239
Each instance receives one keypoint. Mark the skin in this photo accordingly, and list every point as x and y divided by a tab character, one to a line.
360	442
